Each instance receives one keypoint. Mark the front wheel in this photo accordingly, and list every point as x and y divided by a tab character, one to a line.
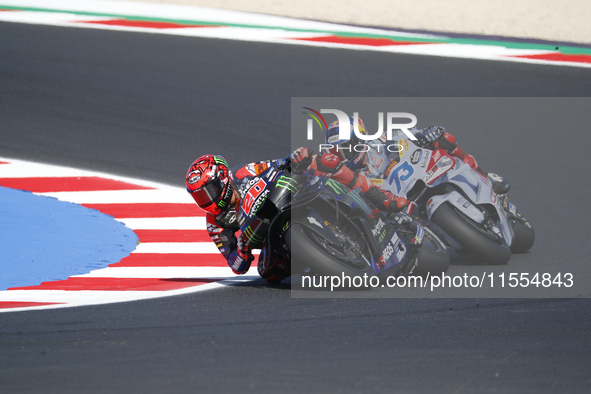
433	257
524	235
482	243
350	258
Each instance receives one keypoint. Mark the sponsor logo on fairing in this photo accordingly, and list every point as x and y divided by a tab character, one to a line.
314	180
254	195
463	202
378	227
315	222
436	156
420	234
416	156
394	246
427	154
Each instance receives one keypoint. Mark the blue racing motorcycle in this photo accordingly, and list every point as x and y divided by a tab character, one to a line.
328	229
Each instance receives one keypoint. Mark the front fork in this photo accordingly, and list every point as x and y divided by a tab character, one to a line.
511	212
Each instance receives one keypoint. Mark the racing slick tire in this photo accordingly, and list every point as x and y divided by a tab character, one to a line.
481	243
433	258
308	248
524	235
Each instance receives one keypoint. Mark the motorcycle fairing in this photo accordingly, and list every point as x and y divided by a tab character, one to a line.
480	192
457	200
313	220
255	232
444	169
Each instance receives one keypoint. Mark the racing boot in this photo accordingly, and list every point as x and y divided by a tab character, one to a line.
500	184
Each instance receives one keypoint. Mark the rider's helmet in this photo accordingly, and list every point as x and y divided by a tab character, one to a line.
350	150
209	181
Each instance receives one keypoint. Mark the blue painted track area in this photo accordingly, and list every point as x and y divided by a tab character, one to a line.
46	239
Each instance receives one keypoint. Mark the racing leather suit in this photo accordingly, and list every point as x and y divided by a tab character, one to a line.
273	265
438	138
380	159
382	154
329	165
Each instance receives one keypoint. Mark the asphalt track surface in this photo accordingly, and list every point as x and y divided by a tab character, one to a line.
145	106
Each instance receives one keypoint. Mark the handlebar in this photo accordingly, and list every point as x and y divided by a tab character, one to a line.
287	165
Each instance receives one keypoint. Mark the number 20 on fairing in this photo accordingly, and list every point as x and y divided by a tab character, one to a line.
253	193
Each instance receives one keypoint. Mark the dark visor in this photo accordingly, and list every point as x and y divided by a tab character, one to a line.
209	193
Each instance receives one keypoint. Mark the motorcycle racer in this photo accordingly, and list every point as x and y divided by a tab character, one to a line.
219	191
378	158
435	137
330	165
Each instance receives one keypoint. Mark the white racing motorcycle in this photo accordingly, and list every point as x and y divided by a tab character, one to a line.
461	204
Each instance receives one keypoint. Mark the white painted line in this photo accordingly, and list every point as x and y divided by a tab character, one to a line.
166	272
242	34
176	247
34	170
178	223
124	196
47	17
461	50
50	169
90	297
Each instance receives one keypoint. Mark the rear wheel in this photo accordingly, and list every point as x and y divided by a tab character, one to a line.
479	241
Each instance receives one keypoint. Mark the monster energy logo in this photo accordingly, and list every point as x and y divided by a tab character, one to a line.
337	187
220	160
249	233
287	183
340	189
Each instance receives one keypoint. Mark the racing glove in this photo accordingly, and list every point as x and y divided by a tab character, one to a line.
436	137
241	258
430	136
300	160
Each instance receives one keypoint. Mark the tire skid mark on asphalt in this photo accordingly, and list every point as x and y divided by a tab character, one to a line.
174	255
